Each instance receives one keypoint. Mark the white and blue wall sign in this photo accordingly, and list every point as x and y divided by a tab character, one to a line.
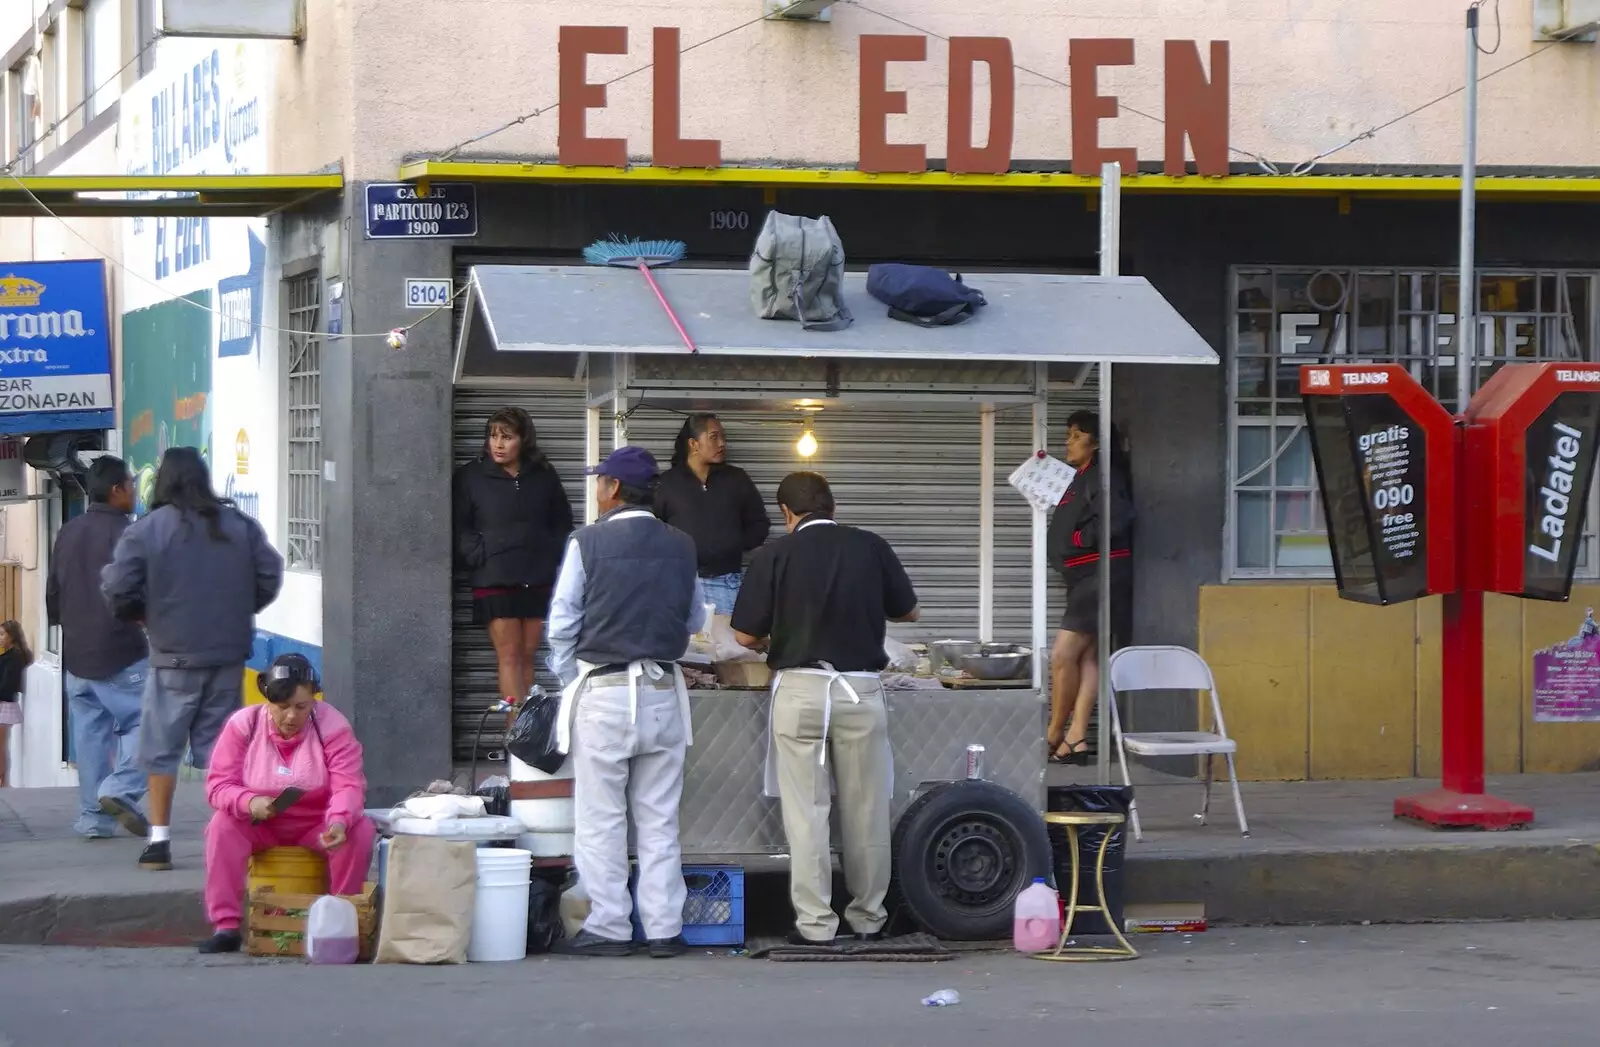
55	347
397	211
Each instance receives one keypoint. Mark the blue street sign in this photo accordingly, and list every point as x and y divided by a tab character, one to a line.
395	211
55	347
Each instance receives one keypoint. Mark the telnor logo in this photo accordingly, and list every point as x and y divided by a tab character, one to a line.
1586	377
1366	378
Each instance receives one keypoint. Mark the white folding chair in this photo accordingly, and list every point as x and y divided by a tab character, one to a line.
1158	668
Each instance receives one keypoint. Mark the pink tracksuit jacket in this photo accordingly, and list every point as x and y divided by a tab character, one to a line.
251	760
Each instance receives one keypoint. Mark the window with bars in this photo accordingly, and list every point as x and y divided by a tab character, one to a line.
303	418
1286	317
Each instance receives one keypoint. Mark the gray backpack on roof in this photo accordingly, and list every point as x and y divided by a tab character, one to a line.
797	272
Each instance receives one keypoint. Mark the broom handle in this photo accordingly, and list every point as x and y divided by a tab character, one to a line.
645	269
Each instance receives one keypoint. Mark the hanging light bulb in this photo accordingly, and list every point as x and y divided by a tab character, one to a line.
806	446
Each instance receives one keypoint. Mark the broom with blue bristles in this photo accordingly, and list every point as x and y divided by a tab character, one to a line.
642	255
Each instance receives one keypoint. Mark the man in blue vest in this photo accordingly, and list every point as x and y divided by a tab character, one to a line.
626	601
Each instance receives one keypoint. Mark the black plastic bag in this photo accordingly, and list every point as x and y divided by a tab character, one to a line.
544	909
1096	798
532	739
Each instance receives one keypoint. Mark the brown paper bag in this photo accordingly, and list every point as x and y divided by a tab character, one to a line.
429	890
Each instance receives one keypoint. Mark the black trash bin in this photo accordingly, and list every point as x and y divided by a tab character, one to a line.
1095	798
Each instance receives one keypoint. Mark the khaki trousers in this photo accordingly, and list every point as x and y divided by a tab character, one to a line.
857	746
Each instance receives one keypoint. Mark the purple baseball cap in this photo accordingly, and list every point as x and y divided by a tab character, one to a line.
633	466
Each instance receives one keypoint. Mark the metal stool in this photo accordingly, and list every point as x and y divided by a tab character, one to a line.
1071	820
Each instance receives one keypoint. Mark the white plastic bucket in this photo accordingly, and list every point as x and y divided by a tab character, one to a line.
543	816
547	845
500	913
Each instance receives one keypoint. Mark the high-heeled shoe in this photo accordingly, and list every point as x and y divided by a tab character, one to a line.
1077	753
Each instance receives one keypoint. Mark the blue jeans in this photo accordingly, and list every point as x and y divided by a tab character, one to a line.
105	732
723	590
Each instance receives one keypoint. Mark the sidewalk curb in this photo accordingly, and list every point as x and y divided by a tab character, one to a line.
151	918
1388	885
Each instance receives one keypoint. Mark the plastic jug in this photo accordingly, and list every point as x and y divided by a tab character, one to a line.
333	933
1037	922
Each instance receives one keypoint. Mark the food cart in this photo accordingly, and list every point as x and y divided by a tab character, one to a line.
629	359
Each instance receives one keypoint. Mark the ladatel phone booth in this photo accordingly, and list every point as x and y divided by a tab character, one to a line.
1506	485
1532	431
1386	462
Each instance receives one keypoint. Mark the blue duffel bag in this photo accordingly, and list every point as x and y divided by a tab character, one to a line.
922	294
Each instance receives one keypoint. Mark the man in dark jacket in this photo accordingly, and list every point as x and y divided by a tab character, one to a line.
104	659
195	571
714	503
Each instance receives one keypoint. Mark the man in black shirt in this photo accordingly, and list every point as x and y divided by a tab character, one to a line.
714	503
106	660
822	594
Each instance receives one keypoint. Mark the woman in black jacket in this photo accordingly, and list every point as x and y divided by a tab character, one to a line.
1074	550
15	657
512	519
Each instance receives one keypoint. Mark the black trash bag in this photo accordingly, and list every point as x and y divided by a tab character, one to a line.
496	794
1095	798
532	739
544	909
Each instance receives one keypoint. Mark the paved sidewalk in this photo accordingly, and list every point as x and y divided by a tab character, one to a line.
1319	852
58	888
1332	852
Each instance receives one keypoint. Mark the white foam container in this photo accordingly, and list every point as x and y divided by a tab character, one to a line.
547	845
500	911
542	816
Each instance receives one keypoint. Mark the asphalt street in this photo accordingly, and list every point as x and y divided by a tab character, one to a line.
1451	986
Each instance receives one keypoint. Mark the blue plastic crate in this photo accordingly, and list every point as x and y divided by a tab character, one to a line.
713	911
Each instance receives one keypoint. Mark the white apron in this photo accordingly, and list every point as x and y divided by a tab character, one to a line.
643	667
836	680
636	670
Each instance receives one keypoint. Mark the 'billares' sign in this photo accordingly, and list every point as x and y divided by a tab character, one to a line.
55	347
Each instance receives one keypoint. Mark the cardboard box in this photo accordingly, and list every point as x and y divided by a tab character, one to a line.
1169	918
277	922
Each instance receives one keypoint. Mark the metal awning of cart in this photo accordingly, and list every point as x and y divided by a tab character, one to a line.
583	323
580	311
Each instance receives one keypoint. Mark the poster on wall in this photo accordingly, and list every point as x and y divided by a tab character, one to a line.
166	389
1566	677
198	367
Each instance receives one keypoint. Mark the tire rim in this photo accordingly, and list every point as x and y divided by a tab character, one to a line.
974	862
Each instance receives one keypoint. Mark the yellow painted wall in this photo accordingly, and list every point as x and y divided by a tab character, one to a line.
1317	687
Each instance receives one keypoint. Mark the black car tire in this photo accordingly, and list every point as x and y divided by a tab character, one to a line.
962	852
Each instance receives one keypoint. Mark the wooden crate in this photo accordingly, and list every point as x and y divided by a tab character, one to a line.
277	922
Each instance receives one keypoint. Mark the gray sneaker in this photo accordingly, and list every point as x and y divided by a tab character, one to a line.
126	814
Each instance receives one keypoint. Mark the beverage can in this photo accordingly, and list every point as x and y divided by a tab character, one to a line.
975	761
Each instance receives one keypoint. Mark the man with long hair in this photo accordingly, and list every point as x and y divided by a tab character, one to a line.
105	660
195	571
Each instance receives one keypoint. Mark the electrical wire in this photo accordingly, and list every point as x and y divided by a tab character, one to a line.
1305	166
103	254
70	113
525	117
1499	32
1266	165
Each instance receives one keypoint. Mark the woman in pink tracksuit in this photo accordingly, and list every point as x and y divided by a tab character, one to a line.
293	741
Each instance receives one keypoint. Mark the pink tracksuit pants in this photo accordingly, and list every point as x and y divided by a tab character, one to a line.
231	840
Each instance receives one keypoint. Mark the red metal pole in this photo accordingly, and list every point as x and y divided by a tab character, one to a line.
1460	802
1461	717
